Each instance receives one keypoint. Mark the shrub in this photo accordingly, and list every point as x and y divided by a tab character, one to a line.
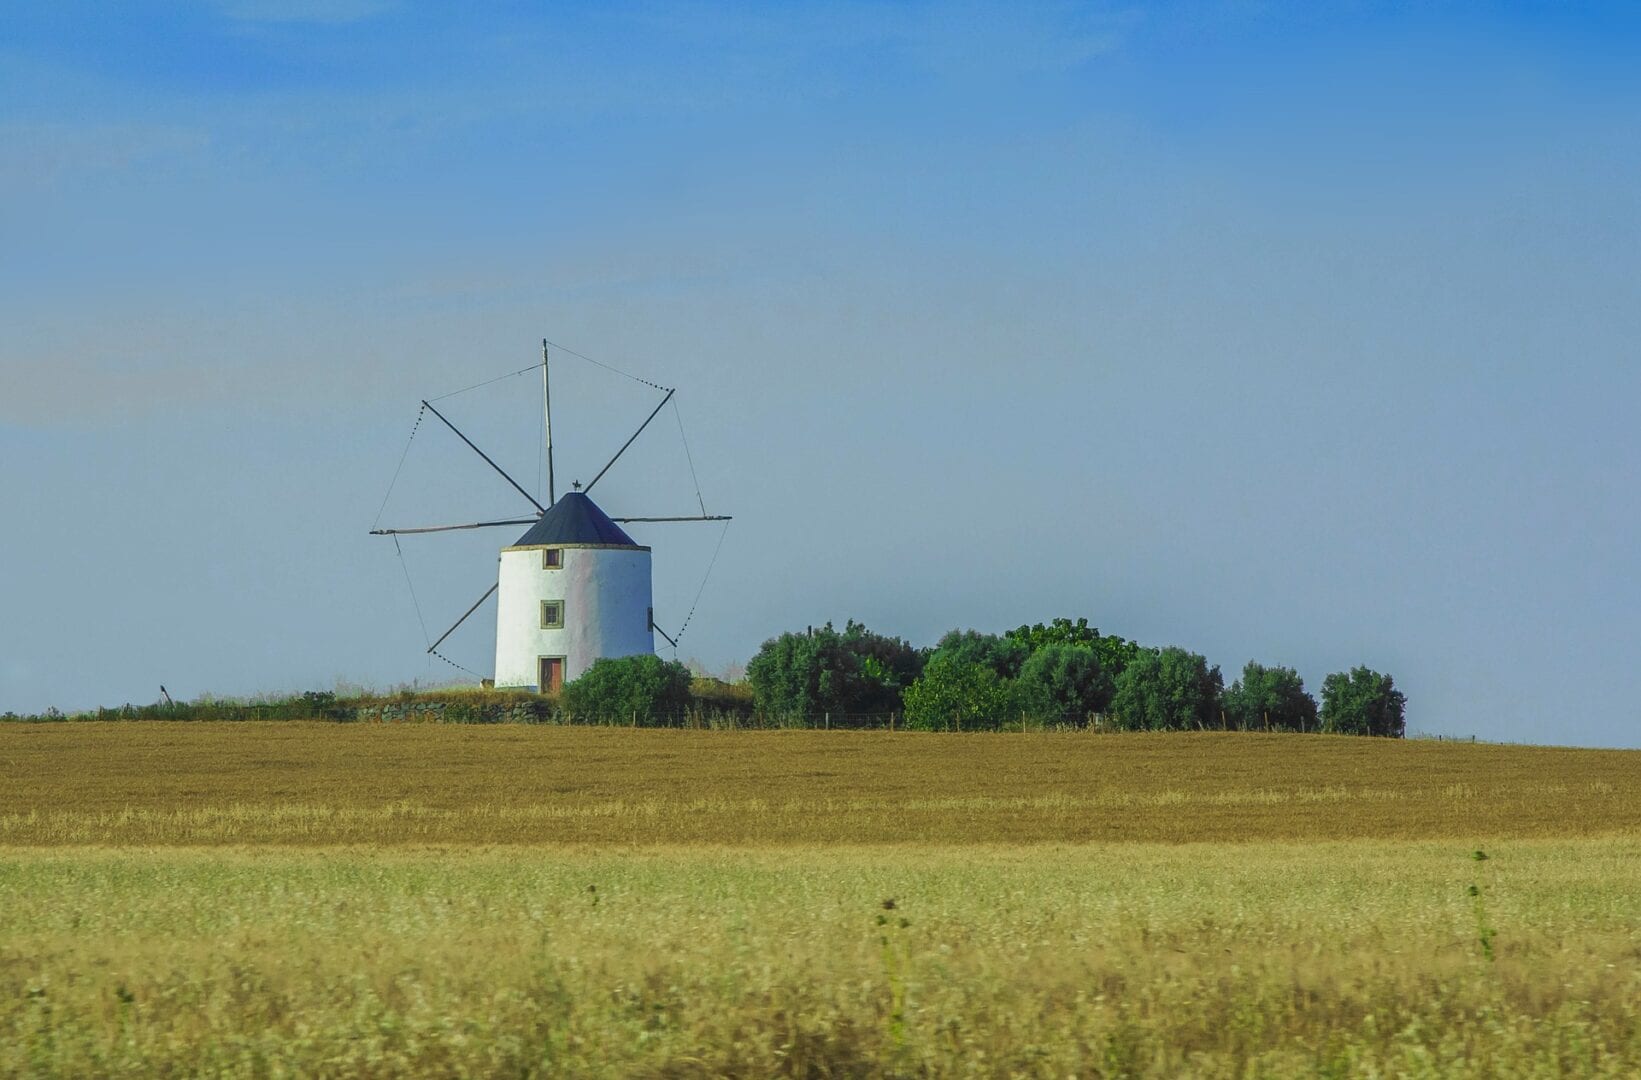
1269	697
1114	653
1063	680
1167	690
1363	702
1003	655
957	693
621	689
824	670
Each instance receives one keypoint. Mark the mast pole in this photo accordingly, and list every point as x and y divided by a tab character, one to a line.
547	423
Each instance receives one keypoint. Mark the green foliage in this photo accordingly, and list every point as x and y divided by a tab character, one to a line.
1057	632
1363	702
1114	653
322	705
888	664
957	693
1271	698
1167	690
824	670
1062	680
620	689
1003	655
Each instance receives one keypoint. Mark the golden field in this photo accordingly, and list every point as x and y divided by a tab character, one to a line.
318	900
297	783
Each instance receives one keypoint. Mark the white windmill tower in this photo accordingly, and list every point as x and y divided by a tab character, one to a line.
575	587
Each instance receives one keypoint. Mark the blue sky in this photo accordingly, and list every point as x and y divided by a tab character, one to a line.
1292	332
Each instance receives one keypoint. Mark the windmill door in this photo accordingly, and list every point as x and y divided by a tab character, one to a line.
552	673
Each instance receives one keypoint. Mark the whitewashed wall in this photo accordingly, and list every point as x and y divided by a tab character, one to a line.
607	598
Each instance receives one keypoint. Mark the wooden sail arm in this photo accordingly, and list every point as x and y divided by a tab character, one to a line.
492	464
630	439
463	619
532	521
452	528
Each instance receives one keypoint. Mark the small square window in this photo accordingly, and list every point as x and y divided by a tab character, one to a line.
552	614
552	558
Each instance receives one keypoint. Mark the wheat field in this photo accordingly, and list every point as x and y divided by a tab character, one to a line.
321	900
307	784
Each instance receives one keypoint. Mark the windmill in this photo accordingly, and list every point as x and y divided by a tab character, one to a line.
575	587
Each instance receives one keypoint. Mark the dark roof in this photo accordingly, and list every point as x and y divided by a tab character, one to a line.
575	519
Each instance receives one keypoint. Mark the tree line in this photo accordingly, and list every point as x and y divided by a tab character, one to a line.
1059	673
1062	673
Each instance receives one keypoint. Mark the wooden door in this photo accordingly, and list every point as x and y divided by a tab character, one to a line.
552	673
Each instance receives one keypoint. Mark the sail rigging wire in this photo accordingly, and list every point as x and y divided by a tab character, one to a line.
405	566
487	382
602	364
455	665
676	415
414	428
703	588
628	443
426	407
423	622
422	413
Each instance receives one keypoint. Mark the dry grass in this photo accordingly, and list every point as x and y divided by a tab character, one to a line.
307	784
340	900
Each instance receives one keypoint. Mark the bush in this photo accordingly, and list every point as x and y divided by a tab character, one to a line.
820	671
1062	680
621	689
1364	702
957	693
1167	690
1003	655
1272	698
1114	653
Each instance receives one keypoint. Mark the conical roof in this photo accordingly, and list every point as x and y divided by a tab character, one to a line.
575	519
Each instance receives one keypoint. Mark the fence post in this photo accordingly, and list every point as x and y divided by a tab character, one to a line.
827	723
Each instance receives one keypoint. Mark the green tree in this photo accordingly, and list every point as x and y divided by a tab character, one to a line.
1364	702
954	692
824	670
1167	690
1057	632
1060	681
1004	655
1114	652
1269	697
618	689
887	666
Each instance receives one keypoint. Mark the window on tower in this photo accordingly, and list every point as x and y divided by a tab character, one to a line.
552	614
552	558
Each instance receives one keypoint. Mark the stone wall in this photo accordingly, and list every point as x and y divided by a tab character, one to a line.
425	711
